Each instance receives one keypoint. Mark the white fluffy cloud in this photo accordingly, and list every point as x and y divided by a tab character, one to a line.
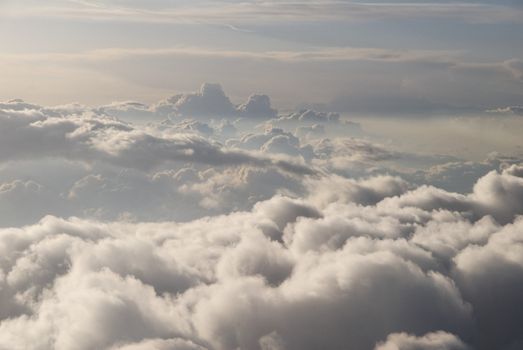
283	239
431	341
211	101
258	106
35	132
375	264
73	160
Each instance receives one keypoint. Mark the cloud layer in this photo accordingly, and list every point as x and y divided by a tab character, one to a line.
254	231
372	265
35	132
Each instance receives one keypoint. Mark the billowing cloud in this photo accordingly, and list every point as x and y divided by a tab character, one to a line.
431	341
357	182
274	141
33	133
321	238
211	101
110	169
303	272
257	106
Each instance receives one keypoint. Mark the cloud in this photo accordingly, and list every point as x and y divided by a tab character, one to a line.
75	160
257	106
494	194
310	116
460	176
328	54
129	111
514	170
365	192
310	132
496	263
517	110
160	344
273	141
233	12
431	341
368	264
320	239
17	105
155	72
238	188
209	100
96	137
24	201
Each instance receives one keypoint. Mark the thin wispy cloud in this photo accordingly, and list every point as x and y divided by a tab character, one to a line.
270	11
314	55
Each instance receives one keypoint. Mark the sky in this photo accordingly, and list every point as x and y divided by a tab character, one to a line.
353	56
261	175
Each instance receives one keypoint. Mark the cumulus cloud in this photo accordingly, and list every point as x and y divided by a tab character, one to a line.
257	106
75	160
211	101
18	105
274	141
112	169
237	188
32	133
283	239
431	341
374	264
160	344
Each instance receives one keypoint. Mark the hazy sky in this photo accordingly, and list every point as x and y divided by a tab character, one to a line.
355	56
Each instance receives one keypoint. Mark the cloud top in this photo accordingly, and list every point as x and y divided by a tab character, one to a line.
294	265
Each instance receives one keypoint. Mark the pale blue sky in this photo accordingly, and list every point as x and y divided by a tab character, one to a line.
382	56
